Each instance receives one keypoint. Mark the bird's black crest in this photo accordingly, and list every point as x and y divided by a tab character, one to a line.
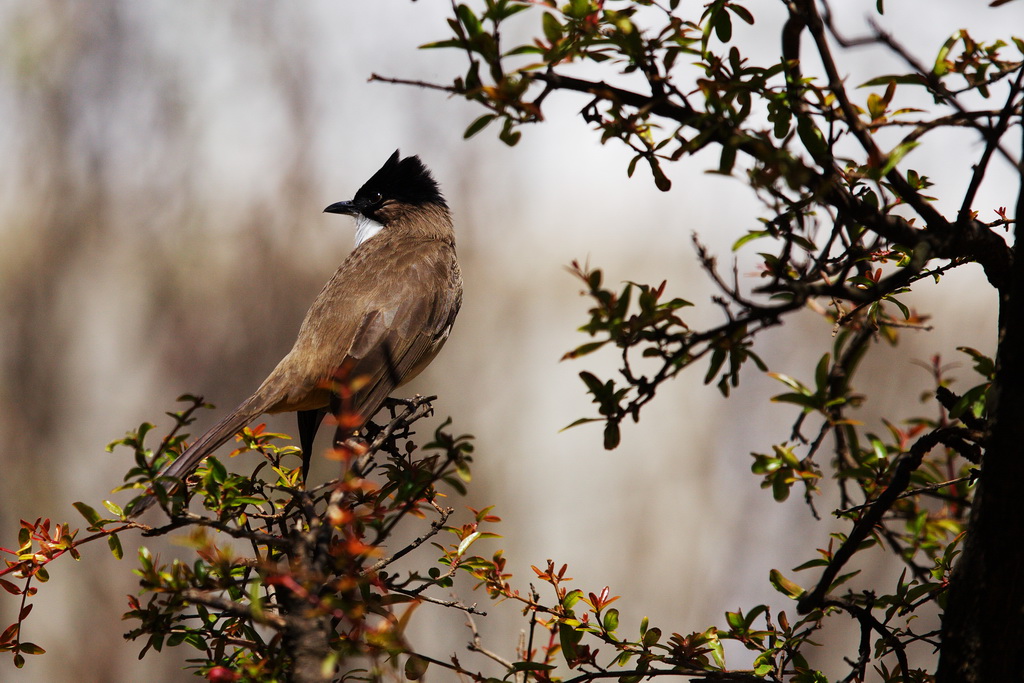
406	180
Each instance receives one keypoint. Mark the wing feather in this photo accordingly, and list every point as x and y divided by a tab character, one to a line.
408	329
385	329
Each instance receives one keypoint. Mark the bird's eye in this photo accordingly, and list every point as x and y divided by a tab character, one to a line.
376	198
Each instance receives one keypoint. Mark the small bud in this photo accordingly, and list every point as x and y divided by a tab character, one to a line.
221	674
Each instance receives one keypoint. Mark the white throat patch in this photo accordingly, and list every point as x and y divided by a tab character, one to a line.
366	228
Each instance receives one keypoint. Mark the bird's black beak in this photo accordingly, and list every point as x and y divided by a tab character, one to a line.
347	208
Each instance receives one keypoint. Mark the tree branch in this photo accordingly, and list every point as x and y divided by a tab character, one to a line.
905	466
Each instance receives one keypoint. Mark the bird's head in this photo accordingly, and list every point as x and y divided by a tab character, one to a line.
400	186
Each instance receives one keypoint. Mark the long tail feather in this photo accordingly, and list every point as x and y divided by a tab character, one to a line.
208	443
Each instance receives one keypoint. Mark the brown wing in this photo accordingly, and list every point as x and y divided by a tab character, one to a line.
409	326
383	316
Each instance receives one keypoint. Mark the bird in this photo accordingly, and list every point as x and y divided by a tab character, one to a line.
380	320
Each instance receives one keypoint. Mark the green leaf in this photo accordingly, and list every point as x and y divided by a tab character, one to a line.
622	660
820	562
972	401
876	106
217	469
524	50
478	125
786	454
784	585
755	613
442	43
503	10
806	402
878	451
466	542
723	26
781	486
897	154
728	159
983	365
717	359
469	20
569	638
415	667
114	508
940	68
509	136
584	349
843	579
552	28
88	512
903	309
661	181
790	382
612	436
594	385
256	599
531	666
578	9
611	620
761	365
743	13
581	421
905	79
749	237
115	546
715	645
811	137
821	373
246	500
632	165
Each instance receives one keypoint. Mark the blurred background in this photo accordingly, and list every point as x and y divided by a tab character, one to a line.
163	168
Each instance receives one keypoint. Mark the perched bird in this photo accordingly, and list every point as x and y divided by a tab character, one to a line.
380	320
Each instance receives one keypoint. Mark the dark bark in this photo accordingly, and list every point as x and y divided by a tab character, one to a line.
983	626
305	639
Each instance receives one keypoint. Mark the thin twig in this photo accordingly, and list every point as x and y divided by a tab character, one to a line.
233	608
469	609
475	646
905	466
435	527
907	494
419	84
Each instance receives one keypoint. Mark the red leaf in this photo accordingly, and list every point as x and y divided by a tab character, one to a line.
9	634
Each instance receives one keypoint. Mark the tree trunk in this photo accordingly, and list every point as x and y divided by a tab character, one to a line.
305	640
983	626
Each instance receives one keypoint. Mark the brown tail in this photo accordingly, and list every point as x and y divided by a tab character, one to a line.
217	435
